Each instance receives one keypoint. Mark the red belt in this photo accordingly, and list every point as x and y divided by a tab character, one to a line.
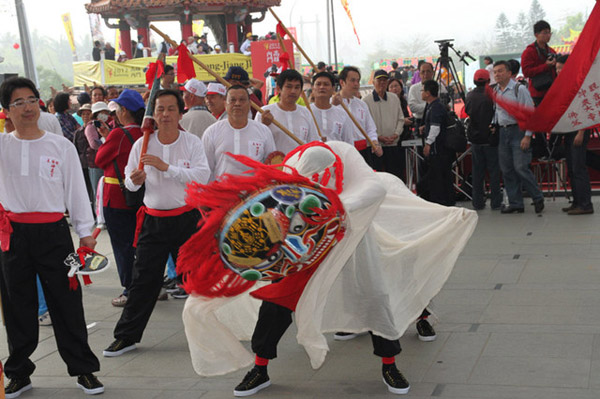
141	214
360	145
26	217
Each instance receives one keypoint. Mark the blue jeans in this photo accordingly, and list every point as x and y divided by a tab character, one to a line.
514	163
42	307
485	158
171	273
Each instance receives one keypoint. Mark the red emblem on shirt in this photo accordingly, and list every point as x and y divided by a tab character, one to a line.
53	164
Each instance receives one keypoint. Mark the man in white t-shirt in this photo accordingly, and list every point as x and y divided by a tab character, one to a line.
296	119
332	119
236	135
40	179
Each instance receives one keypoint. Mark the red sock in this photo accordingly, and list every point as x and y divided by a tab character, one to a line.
261	361
388	360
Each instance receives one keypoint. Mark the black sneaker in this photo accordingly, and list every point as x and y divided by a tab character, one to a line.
425	331
394	380
255	380
179	293
90	384
16	386
344	336
118	347
539	206
169	284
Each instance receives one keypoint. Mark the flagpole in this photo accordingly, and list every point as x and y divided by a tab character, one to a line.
334	41
358	126
226	84
328	33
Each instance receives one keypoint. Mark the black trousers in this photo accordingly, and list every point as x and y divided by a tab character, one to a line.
160	236
368	156
120	224
41	249
274	320
577	170
438	180
392	161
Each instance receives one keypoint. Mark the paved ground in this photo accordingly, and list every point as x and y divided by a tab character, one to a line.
519	319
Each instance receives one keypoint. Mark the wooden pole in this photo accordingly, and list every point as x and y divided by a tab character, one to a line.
293	39
282	44
226	84
358	126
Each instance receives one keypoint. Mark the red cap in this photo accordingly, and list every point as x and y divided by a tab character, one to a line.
481	75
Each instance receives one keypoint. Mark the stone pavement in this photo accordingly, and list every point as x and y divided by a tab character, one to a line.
519	318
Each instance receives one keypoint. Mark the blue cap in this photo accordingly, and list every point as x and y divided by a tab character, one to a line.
130	99
237	73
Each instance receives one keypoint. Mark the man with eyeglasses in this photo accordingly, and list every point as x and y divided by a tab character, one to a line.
40	178
539	59
236	135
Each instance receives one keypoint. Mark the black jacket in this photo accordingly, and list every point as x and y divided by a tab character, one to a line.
480	109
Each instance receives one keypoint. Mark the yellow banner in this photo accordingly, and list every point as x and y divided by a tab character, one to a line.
66	18
198	27
117	42
132	72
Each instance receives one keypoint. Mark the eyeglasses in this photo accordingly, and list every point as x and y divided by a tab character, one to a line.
21	103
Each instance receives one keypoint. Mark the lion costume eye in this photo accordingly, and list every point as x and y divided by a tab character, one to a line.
309	203
297	224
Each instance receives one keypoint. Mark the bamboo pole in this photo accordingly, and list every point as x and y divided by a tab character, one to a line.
282	44
358	126
226	84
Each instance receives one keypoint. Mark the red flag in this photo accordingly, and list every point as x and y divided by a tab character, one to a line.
155	71
279	29
573	101
185	66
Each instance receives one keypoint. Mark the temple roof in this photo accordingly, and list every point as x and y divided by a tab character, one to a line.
114	8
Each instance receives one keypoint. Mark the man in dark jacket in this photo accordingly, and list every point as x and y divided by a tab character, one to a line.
484	142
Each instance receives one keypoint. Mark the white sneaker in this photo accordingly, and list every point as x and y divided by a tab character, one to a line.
45	319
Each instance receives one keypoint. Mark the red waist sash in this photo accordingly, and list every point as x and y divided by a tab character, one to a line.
141	214
26	217
360	144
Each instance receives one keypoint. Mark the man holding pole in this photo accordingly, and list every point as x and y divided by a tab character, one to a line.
333	121
295	118
173	159
350	82
236	135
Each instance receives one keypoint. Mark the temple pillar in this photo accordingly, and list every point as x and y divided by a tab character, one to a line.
232	31
186	27
143	31
125	38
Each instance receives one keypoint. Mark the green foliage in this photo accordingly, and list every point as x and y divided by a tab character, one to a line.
536	13
504	34
575	22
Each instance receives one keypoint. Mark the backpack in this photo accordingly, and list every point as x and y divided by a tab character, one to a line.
456	139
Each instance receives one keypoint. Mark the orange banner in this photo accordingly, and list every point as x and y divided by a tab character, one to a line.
347	8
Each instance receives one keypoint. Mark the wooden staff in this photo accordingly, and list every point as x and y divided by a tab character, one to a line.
293	39
282	44
359	127
226	84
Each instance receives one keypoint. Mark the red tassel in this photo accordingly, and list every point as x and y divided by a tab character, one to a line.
73	284
86	279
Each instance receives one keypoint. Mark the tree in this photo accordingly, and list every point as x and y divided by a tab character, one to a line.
574	22
536	13
522	33
504	34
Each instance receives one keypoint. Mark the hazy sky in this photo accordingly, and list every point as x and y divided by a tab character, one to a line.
378	22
